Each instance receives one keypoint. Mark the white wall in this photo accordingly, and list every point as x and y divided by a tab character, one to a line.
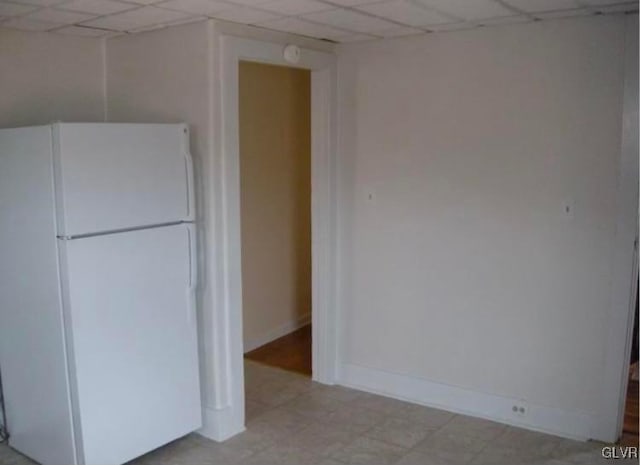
49	77
464	283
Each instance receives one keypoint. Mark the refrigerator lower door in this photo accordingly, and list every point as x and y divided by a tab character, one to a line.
129	305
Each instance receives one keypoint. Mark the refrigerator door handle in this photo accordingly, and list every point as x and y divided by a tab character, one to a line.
193	271
191	193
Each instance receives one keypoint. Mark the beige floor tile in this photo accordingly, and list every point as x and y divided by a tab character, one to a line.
254	408
474	427
278	391
330	461
319	439
441	441
512	456
249	441
430	417
381	404
353	419
418	458
527	442
195	454
283	455
315	405
340	393
367	451
446	456
399	431
277	424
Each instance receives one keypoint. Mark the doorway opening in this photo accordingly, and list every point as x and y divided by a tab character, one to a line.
274	105
231	389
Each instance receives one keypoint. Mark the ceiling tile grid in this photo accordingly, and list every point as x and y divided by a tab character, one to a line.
334	20
96	7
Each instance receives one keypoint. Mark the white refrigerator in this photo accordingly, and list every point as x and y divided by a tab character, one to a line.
98	270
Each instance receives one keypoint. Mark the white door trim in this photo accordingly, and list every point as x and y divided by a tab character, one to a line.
323	141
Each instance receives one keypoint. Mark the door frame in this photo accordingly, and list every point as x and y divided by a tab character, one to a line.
625	255
323	205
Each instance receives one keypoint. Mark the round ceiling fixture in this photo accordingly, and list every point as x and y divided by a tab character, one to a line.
291	53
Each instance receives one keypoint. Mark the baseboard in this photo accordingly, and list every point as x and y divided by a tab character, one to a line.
569	424
276	333
220	424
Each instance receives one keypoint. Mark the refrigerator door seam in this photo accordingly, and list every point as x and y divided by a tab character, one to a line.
61	262
121	230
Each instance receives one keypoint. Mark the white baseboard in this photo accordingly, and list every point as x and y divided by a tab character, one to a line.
276	333
220	424
569	424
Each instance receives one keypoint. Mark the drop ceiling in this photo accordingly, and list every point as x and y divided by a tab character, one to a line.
335	20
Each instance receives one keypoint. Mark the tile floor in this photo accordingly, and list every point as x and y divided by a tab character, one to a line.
292	420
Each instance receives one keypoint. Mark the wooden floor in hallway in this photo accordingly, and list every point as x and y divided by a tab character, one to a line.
291	352
631	430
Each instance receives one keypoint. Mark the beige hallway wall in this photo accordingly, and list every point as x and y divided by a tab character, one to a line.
275	145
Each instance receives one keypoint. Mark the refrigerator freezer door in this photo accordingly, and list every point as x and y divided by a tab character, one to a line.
121	176
129	302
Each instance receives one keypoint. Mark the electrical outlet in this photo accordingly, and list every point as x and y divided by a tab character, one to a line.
519	410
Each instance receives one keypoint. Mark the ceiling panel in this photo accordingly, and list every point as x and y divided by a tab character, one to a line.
305	28
405	12
134	19
96	7
249	2
350	21
144	2
198	7
28	25
295	7
605	2
15	9
52	15
469	10
178	22
619	8
37	2
351	3
246	15
543	5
